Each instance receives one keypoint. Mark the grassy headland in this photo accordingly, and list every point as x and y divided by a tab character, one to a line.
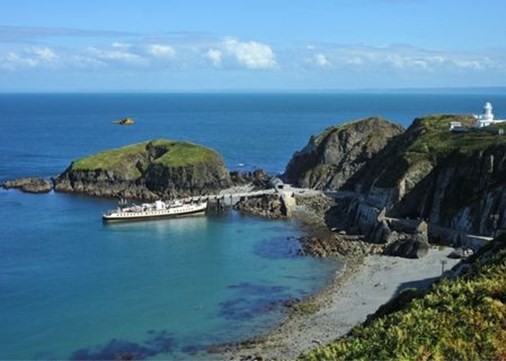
429	141
129	160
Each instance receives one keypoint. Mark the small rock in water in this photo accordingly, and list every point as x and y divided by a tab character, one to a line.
29	185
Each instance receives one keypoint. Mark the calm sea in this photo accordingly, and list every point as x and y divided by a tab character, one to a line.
72	287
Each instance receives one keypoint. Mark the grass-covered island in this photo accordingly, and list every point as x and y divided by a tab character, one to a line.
147	170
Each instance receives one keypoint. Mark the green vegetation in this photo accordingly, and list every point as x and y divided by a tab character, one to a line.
435	140
181	154
130	160
306	307
120	160
460	319
428	139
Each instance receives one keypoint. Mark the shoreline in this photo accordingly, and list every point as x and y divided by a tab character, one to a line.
353	295
366	281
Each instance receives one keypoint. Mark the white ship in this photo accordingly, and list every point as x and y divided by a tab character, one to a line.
158	209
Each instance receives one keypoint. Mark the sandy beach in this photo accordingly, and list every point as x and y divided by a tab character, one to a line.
347	302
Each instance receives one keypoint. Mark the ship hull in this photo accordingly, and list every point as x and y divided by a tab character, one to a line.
117	217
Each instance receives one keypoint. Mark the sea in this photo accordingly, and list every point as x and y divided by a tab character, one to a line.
72	287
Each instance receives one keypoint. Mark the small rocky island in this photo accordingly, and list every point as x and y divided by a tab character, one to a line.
148	171
29	185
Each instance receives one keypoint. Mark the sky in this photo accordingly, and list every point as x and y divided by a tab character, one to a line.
265	45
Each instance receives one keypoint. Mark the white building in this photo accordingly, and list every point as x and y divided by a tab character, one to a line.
487	118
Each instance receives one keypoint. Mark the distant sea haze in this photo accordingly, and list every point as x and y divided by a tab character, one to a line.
74	288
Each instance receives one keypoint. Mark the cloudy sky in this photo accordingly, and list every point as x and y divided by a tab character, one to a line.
198	45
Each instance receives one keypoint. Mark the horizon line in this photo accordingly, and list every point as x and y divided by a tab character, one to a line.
258	90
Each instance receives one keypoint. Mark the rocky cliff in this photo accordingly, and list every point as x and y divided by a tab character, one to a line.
457	180
332	157
453	179
148	170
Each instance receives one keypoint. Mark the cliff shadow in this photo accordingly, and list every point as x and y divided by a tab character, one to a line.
419	285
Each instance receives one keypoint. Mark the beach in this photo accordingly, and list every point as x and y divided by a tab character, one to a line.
353	295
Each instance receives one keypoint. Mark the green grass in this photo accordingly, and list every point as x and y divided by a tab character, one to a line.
181	154
120	160
435	140
461	319
429	139
127	160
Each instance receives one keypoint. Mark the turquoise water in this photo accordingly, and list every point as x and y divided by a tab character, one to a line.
74	288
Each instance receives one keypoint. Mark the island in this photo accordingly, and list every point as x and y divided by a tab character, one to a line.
125	121
149	171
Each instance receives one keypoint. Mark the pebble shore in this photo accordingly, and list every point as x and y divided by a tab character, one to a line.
368	281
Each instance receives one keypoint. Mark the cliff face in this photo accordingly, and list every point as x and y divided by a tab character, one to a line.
332	157
456	180
148	170
466	193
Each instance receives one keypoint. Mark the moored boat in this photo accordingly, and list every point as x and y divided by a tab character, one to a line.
158	209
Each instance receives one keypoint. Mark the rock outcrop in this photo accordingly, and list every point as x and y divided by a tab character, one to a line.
268	206
332	157
457	180
29	185
149	170
259	178
409	245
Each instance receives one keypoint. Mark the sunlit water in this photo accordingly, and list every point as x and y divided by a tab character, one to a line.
72	287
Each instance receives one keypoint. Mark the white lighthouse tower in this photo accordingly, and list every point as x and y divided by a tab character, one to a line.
487	118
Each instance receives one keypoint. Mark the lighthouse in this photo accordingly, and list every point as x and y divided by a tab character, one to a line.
487	118
487	112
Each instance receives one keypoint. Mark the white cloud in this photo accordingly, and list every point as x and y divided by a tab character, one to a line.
321	60
231	53
251	54
85	62
119	45
29	58
117	55
215	56
161	51
402	58
45	55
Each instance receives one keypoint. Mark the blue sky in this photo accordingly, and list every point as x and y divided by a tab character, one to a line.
192	45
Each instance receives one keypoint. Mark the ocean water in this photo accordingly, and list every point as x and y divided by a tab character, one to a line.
74	288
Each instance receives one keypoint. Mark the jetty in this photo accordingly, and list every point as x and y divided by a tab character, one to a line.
229	198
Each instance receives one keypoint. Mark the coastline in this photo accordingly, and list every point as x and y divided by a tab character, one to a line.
366	281
353	295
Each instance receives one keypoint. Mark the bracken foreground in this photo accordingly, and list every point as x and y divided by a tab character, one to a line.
462	318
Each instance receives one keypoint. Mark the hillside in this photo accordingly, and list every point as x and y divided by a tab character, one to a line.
332	157
425	143
453	179
457	180
147	170
456	319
